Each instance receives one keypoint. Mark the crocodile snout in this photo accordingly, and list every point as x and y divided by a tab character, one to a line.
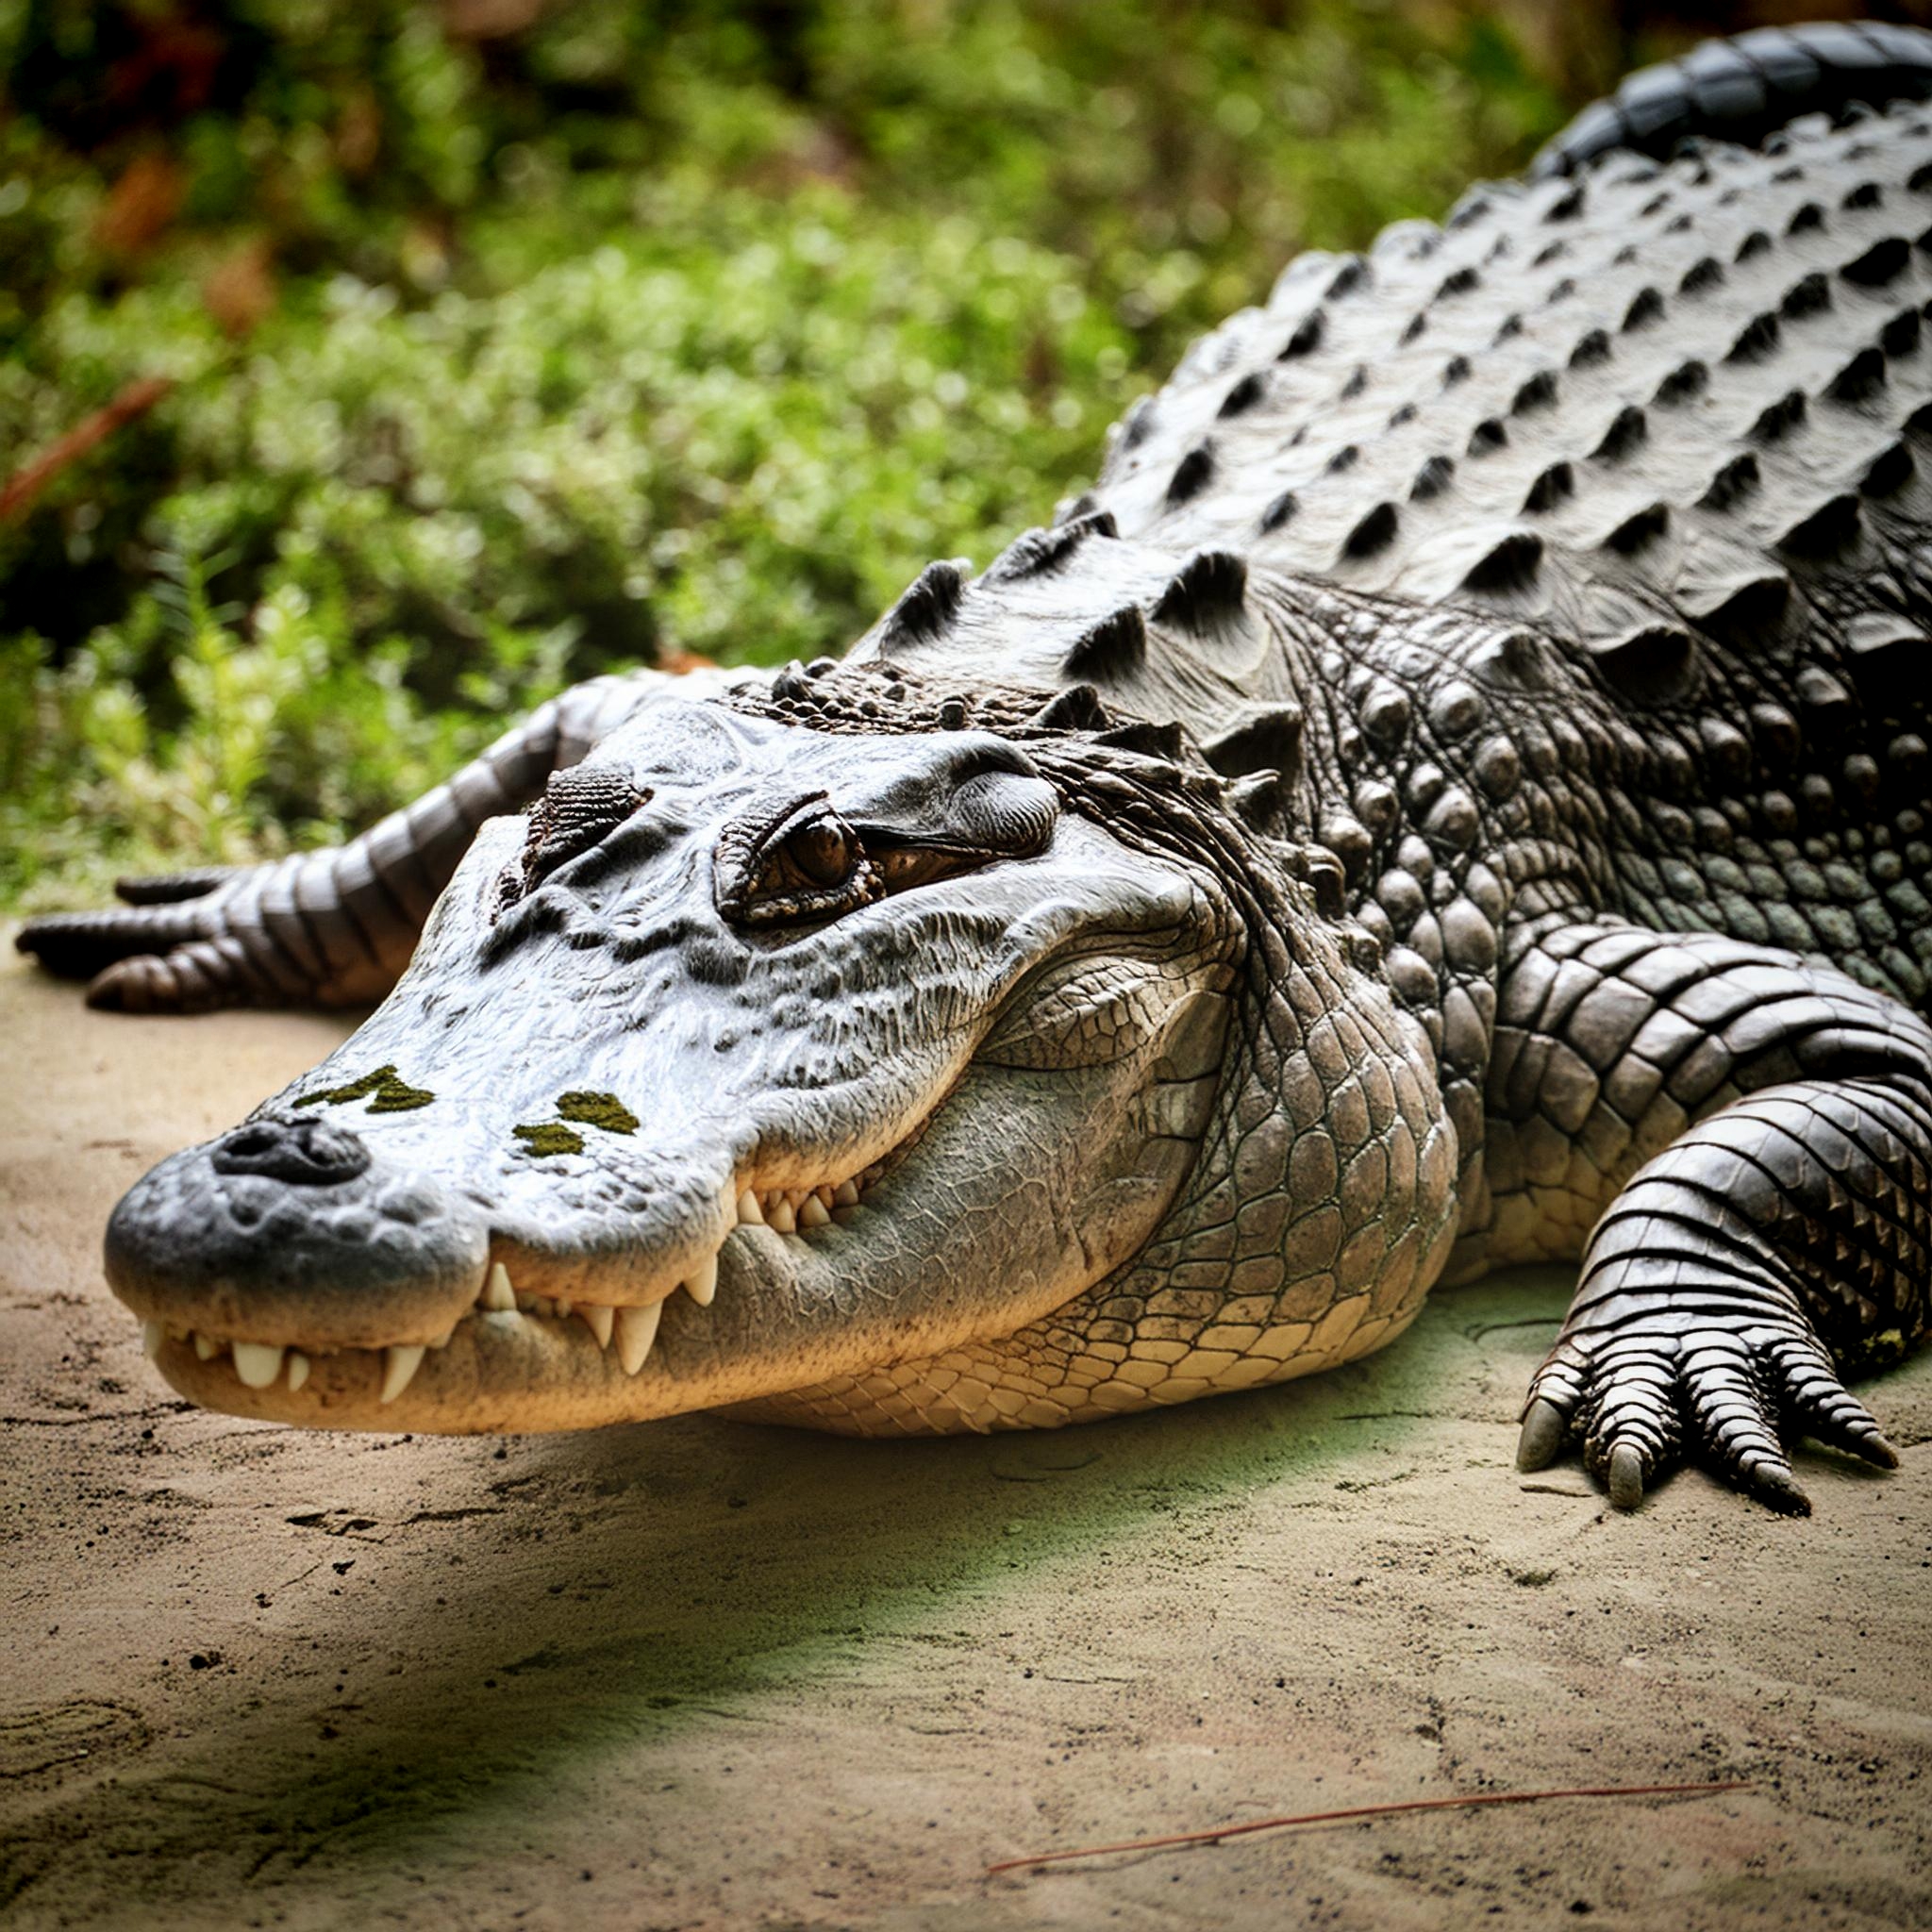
288	1230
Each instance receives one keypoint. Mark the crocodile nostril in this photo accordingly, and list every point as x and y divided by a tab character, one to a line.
306	1154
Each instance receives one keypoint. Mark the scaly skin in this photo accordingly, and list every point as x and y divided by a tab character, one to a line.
1454	794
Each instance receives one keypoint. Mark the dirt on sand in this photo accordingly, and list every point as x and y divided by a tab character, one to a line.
696	1674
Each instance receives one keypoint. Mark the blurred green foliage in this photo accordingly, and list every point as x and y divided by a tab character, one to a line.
513	341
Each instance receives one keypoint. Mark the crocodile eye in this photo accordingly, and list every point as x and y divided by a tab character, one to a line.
806	863
790	860
580	807
822	851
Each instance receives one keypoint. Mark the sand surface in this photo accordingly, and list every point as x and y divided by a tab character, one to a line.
698	1674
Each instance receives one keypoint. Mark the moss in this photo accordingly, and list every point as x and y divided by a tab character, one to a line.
385	1090
598	1110
393	1096
552	1136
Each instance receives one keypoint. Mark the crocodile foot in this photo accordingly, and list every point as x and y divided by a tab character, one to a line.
1738	1383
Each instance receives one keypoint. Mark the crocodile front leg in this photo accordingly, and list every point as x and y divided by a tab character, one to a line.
1760	1131
330	927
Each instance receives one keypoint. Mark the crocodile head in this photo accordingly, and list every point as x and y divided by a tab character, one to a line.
756	1055
756	1058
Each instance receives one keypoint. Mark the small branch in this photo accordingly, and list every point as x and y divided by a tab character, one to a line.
1222	1831
135	399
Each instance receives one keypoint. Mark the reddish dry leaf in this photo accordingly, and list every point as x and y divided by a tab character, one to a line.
239	290
140	204
358	133
488	20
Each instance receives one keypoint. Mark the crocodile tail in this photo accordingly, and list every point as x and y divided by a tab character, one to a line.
1745	89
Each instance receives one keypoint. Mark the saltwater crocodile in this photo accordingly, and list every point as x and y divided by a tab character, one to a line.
1454	794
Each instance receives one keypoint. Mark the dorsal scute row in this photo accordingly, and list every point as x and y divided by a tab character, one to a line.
1694	396
1167	634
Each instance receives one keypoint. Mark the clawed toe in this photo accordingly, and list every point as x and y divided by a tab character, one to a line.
1544	1427
1627	1474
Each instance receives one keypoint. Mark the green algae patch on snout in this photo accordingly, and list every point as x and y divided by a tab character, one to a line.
598	1110
385	1090
602	1110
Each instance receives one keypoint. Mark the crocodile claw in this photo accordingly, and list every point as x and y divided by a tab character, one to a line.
1739	1393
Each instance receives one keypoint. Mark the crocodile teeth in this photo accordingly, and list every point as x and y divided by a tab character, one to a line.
400	1362
749	1213
845	1194
152	1335
812	1213
206	1347
781	1216
498	1295
298	1370
258	1363
702	1283
637	1328
600	1318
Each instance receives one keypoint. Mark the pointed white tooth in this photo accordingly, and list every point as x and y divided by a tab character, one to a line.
400	1362
637	1328
298	1370
600	1320
749	1213
563	1309
498	1294
826	1193
845	1194
779	1215
258	1363
152	1335
701	1284
812	1213
206	1347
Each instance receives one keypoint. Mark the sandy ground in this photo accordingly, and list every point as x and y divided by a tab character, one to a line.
696	1674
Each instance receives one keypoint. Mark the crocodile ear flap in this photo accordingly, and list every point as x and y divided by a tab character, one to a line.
1263	738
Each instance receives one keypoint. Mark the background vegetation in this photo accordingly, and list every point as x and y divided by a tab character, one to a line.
452	353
